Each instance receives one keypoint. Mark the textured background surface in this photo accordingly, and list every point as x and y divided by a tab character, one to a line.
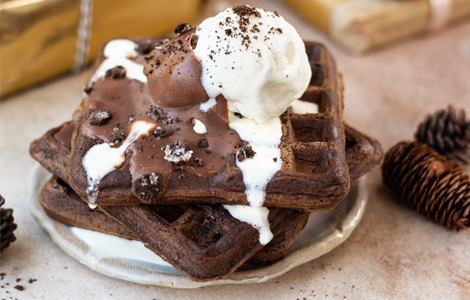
393	254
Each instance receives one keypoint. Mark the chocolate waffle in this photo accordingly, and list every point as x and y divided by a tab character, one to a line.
52	150
314	174
62	204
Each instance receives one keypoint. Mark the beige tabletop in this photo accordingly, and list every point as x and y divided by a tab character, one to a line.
393	254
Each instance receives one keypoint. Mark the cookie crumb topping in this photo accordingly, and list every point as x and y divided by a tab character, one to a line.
182	28
177	153
116	73
100	118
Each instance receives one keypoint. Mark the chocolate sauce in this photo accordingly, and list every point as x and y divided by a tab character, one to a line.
174	73
64	135
170	100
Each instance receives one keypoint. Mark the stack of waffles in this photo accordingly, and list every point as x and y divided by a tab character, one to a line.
174	178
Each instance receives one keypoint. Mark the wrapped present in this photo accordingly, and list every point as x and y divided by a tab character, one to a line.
363	25
40	39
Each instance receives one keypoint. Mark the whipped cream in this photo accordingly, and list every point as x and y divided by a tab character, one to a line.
258	63
102	159
118	53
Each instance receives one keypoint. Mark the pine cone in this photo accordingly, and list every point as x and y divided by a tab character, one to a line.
448	132
6	226
428	183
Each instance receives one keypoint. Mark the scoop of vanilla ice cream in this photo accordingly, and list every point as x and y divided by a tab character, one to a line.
255	59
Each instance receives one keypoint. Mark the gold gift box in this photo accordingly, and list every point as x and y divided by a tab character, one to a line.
364	25
39	38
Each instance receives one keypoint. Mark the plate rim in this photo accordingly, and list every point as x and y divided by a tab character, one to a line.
326	242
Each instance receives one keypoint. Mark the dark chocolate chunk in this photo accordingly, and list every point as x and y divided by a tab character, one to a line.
116	73
148	187
182	28
238	115
100	118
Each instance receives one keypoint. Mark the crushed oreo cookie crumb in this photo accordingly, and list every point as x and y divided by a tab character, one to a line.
203	143
19	287
118	135
161	133
100	118
182	28
198	161
194	41
145	48
148	187
88	90
116	72
238	115
245	152
275	159
177	153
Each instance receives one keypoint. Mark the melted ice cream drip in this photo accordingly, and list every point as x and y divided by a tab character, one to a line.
264	139
208	105
199	127
257	61
102	159
118	53
304	107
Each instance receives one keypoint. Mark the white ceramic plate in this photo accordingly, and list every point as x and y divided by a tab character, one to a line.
133	262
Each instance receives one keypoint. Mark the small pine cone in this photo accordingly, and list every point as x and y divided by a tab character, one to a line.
6	226
448	132
428	183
